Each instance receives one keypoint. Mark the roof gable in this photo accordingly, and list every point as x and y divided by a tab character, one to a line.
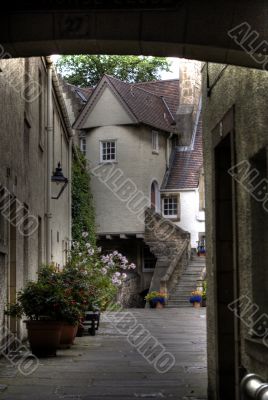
107	110
141	105
104	107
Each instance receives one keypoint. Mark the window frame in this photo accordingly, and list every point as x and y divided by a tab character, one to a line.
83	143
168	197
155	142
143	263
101	150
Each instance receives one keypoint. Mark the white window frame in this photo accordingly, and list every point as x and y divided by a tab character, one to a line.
101	150
83	145
155	142
175	216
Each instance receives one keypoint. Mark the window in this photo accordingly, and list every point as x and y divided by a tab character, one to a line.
170	206
149	260
83	146
108	151
155	141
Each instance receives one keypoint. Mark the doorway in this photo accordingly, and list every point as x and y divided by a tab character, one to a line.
225	270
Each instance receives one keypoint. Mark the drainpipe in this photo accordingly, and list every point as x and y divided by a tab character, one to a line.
168	150
49	158
70	155
253	387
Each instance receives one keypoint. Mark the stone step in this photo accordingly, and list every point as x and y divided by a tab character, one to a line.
181	293
178	305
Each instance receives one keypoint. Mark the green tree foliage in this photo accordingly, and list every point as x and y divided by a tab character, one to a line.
83	213
87	70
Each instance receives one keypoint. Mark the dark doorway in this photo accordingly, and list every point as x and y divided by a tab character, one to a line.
225	270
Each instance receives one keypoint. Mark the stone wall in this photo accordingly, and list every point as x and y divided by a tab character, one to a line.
244	92
23	172
165	240
129	295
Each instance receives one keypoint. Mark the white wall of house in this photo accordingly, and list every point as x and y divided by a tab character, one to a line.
137	161
191	218
107	110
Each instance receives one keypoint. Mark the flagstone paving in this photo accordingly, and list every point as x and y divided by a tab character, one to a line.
109	366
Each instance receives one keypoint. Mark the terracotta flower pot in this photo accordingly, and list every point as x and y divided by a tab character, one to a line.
159	305
196	304
44	337
68	334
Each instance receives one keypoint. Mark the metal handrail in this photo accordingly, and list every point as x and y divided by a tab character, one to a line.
254	387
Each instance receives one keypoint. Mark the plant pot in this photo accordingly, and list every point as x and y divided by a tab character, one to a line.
196	304
204	303
68	334
159	305
44	337
152	304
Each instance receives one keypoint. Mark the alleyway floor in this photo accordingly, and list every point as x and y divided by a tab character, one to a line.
108	367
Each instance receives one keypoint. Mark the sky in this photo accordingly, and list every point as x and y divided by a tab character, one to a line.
174	74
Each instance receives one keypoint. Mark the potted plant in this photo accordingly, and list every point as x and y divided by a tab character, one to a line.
156	299
40	303
196	298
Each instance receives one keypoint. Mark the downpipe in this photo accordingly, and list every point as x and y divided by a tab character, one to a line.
253	387
49	158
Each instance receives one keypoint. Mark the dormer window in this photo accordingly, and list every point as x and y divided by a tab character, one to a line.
155	142
108	151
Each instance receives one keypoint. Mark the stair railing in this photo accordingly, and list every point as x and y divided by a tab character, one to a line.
175	269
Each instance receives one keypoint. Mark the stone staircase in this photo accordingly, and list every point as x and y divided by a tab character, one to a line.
179	296
170	245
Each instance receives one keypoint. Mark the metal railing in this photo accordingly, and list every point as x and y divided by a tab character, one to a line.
254	387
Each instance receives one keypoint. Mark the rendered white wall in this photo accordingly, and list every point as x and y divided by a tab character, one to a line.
136	160
192	220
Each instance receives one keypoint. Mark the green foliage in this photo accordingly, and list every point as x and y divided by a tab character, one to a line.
83	213
87	70
37	300
155	295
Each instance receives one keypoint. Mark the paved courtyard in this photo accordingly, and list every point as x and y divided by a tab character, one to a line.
109	366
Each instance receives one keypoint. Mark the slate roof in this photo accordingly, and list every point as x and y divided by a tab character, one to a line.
169	89
149	104
186	165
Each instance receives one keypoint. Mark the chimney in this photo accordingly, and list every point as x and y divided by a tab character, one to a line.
190	91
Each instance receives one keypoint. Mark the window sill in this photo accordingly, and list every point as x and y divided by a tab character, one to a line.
108	162
257	350
172	218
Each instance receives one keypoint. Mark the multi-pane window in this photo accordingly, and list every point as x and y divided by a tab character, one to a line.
108	151
149	260
83	146
155	141
170	206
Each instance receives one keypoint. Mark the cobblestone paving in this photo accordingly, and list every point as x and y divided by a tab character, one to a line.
108	367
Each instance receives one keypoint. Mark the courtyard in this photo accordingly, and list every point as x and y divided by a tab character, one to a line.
108	366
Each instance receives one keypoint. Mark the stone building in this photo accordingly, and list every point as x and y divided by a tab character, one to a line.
235	122
34	227
143	143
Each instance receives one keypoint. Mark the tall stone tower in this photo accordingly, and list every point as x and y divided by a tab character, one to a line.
190	92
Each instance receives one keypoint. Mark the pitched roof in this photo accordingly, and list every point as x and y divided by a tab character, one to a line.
186	165
168	89
150	106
